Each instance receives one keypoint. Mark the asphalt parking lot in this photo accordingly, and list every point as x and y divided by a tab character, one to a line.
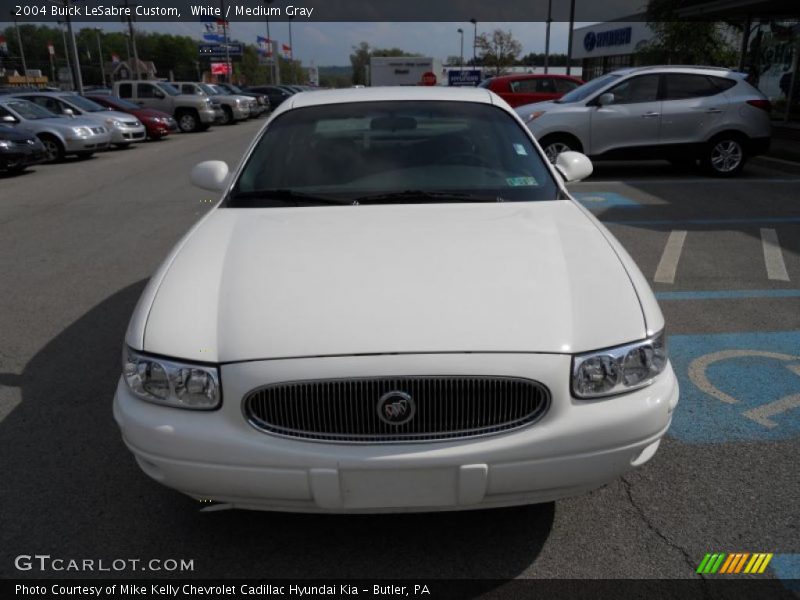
78	241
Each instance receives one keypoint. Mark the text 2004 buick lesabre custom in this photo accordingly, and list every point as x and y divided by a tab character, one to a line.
396	306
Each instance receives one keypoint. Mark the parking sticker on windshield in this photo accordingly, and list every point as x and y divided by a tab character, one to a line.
521	181
520	149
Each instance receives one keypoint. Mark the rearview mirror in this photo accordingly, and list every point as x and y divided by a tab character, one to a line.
211	175
573	166
606	99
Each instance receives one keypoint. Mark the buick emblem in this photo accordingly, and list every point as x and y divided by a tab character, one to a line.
396	408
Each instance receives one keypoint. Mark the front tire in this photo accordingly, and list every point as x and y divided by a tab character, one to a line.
227	116
52	148
725	155
188	122
555	145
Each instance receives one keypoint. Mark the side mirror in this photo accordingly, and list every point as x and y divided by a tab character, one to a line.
606	99
69	112
157	94
211	175
8	119
573	166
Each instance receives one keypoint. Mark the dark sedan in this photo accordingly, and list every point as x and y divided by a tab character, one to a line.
19	149
158	124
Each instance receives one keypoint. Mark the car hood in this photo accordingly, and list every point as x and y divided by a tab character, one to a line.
109	114
250	284
526	109
61	123
150	112
13	134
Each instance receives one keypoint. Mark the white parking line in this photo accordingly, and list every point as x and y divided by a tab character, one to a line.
665	272
773	257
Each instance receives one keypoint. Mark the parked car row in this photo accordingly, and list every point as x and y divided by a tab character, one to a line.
687	115
45	126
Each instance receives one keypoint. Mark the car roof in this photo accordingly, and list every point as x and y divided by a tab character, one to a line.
532	76
379	94
693	69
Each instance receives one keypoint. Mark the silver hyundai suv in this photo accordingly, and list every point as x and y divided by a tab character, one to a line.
683	114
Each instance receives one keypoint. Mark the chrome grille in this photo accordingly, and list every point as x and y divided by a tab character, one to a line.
346	410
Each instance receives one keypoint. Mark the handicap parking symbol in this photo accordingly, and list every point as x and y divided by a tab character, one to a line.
592	200
736	386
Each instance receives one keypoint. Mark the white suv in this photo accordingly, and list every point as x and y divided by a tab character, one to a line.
683	114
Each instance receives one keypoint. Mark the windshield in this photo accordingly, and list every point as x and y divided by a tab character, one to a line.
29	110
83	103
232	88
209	89
414	150
587	89
168	88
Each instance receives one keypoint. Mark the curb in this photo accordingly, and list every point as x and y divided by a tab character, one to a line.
779	164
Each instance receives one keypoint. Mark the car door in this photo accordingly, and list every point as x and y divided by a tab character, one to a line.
149	96
631	122
693	106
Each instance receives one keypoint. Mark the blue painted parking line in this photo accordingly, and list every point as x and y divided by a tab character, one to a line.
745	221
787	568
727	294
737	386
604	200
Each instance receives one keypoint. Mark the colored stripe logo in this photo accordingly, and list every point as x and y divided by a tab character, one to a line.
737	562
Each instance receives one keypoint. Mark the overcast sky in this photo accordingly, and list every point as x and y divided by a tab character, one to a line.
331	43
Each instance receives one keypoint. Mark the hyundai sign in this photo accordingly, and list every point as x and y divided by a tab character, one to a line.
615	37
464	78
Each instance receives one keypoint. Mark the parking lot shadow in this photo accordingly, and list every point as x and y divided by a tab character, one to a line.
71	489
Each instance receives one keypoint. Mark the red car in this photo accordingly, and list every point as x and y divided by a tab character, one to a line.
526	89
158	124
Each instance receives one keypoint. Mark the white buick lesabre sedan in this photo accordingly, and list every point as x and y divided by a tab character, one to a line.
396	306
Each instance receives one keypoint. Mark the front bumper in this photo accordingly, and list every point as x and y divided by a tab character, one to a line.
128	135
240	113
89	143
19	156
577	446
208	115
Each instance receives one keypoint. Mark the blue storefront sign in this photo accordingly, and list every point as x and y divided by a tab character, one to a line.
218	50
603	39
464	78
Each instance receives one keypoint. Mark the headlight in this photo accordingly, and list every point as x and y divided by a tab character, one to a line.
534	115
113	123
82	131
5	144
171	383
618	370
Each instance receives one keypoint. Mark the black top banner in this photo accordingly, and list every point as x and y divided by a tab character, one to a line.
381	10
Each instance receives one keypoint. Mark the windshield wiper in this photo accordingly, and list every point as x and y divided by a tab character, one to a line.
287	195
410	196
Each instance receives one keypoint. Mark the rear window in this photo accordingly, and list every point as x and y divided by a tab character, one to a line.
680	86
352	150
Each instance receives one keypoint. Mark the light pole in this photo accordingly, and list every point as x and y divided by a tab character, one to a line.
461	31
21	50
100	54
76	63
547	36
474	42
569	41
291	52
66	53
270	57
228	66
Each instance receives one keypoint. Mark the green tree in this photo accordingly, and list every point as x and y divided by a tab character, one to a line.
685	42
498	50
